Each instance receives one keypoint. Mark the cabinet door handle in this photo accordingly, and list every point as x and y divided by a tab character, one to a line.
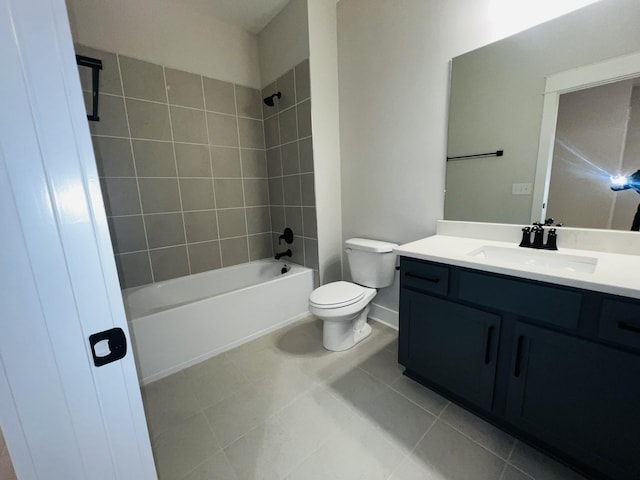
628	326
518	367
421	277
487	348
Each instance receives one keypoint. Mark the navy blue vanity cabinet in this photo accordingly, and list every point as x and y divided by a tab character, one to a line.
578	397
452	345
558	367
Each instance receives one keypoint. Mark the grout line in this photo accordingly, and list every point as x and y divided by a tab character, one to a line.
135	170
295	86
175	162
218	239
277	107
476	441
177	105
458	430
513	449
213	182
180	143
211	210
416	403
504	469
288	108
276	412
244	197
520	471
266	165
194	178
418	442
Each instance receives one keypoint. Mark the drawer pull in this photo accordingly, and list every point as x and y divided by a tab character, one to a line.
487	349
628	326
421	277
516	372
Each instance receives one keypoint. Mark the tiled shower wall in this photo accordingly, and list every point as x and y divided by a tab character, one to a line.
287	128
181	159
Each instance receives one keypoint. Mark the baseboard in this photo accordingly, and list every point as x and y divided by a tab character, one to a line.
384	315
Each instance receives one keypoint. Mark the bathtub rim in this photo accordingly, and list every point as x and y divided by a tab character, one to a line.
295	270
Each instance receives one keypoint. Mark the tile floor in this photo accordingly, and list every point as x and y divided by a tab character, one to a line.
281	407
6	468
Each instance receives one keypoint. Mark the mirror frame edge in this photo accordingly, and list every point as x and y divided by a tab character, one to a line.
592	75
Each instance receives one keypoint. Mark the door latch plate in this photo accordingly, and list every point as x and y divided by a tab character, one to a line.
108	346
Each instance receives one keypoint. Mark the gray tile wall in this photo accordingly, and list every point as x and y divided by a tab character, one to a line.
182	163
287	131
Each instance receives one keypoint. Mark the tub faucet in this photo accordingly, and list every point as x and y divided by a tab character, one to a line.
283	254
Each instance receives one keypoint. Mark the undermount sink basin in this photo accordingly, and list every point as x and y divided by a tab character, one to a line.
537	258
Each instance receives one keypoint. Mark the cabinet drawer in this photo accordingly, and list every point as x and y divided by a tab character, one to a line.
537	301
424	277
620	322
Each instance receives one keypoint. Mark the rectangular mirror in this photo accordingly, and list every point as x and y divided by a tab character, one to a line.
498	94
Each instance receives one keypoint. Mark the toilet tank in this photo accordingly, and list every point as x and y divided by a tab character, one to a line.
372	262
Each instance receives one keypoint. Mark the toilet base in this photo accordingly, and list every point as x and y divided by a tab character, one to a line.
340	335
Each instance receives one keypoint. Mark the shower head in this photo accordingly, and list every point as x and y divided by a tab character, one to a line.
269	100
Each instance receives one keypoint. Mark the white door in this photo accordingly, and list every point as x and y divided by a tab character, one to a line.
63	418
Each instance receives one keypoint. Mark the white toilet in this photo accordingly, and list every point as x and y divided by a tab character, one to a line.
343	306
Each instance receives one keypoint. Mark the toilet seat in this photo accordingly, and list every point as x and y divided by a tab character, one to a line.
336	295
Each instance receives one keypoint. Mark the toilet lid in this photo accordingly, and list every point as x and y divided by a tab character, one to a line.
336	294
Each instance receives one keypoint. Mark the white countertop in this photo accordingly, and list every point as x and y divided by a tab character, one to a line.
615	273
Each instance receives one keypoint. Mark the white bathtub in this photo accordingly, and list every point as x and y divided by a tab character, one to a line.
180	322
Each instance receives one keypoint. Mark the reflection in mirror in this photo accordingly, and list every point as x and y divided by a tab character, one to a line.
597	137
497	99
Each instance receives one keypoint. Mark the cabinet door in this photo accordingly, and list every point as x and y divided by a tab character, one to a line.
451	345
578	396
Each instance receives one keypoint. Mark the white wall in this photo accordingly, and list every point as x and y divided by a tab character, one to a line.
284	42
393	63
170	33
323	48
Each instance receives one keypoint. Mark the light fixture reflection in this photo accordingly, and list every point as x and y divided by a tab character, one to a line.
511	16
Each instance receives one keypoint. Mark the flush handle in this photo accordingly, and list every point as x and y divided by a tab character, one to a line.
108	346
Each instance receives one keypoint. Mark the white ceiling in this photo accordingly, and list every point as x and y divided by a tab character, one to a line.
250	15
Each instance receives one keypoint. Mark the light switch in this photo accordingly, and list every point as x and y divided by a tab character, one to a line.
521	189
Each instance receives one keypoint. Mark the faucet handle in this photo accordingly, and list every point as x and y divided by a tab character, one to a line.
287	236
538	236
552	238
526	237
